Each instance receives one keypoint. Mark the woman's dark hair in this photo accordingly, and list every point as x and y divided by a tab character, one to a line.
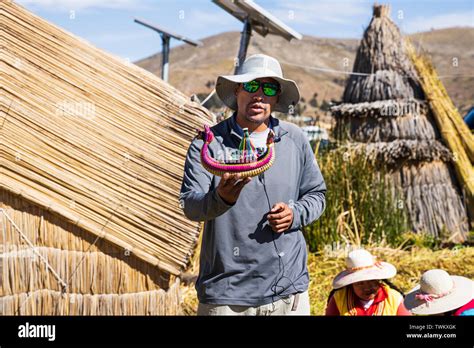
330	295
386	281
393	286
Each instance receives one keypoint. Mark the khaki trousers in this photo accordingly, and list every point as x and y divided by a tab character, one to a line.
292	305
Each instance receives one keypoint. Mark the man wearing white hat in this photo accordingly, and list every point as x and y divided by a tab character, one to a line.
253	253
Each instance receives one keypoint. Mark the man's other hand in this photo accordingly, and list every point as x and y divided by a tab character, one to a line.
280	217
230	186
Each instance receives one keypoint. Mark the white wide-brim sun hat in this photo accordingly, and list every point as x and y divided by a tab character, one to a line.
362	266
255	67
439	292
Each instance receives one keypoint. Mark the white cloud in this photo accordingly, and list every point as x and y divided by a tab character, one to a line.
455	19
83	4
336	12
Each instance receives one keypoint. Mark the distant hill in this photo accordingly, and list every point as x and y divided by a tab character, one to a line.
194	70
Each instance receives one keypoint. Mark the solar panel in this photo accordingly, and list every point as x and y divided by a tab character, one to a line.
255	18
261	20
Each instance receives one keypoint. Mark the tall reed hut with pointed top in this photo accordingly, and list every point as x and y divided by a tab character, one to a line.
386	115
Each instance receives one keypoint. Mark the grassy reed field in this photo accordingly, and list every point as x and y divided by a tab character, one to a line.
360	208
410	264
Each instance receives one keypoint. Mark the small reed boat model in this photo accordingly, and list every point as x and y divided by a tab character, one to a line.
247	164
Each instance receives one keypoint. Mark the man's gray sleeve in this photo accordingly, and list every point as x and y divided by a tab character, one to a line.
198	202
312	192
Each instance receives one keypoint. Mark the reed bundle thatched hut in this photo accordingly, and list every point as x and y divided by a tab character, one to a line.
92	152
385	114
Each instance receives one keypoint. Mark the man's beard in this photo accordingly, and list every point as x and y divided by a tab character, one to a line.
261	119
256	121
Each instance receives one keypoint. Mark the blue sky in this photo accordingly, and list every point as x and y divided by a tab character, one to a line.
108	24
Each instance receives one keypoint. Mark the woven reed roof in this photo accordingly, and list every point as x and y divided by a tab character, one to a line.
97	140
382	55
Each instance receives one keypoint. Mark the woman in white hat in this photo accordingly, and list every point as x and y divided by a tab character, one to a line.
358	290
441	293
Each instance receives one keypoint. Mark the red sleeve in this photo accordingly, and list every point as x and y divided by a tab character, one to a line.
402	310
331	308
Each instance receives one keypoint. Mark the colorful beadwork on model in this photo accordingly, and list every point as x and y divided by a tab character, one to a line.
248	164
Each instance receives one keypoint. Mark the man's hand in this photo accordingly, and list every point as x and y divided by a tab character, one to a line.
280	217
230	186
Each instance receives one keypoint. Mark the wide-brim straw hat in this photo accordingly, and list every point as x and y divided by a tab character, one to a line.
362	265
439	292
255	67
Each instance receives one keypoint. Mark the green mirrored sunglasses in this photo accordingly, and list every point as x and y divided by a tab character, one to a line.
269	89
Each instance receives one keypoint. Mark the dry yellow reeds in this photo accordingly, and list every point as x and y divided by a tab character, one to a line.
95	140
454	131
50	302
42	251
101	278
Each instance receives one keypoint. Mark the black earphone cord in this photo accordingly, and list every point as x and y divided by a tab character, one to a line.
281	264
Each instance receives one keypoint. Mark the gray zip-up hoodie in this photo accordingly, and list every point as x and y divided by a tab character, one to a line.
243	262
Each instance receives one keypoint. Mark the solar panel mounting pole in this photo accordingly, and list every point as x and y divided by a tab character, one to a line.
166	36
165	43
244	44
255	18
